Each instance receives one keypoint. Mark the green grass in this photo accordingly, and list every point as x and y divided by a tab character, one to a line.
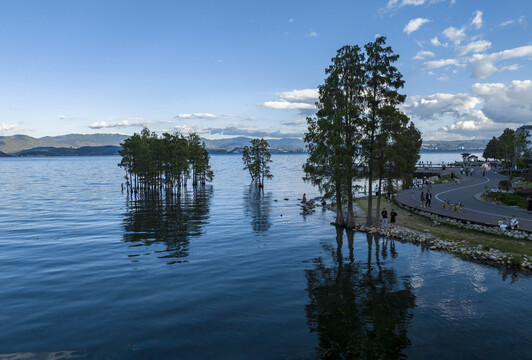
510	199
454	233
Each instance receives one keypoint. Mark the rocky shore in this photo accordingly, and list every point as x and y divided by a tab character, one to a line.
462	249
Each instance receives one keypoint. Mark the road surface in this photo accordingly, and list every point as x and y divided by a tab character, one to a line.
468	191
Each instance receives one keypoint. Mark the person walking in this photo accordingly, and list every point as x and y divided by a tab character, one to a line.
428	198
393	215
422	199
384	215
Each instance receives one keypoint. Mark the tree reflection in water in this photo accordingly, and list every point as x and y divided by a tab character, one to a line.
359	310
168	220
257	206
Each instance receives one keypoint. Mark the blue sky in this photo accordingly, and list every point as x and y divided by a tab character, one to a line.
227	68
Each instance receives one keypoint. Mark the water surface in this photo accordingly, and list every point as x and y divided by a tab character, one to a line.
229	272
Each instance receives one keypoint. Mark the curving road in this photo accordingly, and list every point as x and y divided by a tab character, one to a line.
468	191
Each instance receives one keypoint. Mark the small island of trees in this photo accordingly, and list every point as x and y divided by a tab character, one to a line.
154	163
257	158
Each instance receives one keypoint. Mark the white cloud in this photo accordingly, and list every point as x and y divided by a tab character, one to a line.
506	103
190	129
477	20
435	64
422	55
296	99
8	126
443	77
291	20
472	121
436	42
483	65
414	25
284	105
412	2
394	3
521	21
120	124
312	34
473	47
253	132
455	35
431	106
298	122
203	116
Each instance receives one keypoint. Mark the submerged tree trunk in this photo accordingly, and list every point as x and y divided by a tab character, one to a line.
377	210
340	221
369	219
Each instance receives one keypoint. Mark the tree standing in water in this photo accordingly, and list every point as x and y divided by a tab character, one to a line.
333	137
256	159
358	126
154	163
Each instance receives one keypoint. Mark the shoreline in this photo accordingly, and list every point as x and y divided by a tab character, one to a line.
483	254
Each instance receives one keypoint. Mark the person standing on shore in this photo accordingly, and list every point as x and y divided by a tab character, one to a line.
422	199
393	215
428	198
384	214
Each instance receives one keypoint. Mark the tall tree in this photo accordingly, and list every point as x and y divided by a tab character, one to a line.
382	98
492	148
334	136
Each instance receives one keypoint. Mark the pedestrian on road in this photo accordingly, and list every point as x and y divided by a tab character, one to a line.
384	214
428	198
422	199
393	215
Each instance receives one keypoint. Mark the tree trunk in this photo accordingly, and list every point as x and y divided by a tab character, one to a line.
377	210
339	211
369	219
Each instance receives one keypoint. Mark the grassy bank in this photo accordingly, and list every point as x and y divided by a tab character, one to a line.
454	233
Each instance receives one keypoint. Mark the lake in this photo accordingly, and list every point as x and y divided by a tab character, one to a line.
228	272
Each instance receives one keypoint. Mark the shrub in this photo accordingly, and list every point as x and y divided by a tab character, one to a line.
504	184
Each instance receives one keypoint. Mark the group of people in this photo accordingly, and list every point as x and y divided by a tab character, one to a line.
467	171
509	224
422	183
425	199
384	215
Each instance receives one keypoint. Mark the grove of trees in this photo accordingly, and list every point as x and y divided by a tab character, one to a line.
154	163
359	130
510	147
257	158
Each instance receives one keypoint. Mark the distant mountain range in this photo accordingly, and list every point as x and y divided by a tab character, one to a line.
16	143
109	144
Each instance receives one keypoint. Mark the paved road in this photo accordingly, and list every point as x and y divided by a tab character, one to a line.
468	191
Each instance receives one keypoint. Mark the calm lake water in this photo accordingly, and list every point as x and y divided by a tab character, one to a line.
229	273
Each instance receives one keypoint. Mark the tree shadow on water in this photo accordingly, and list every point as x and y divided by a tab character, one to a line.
257	206
169	220
359	310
